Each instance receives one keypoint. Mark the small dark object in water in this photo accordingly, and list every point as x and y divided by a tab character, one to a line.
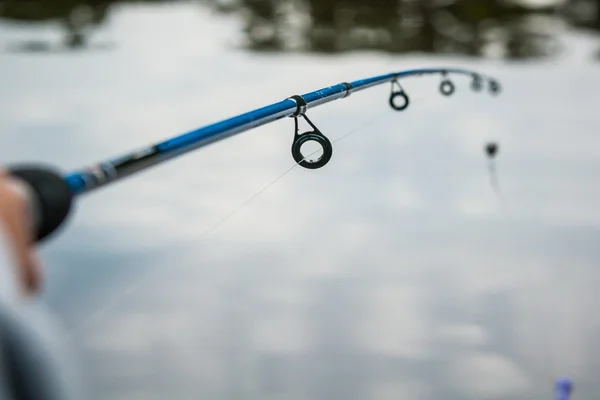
491	149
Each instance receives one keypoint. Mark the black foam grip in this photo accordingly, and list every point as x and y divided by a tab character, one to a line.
53	197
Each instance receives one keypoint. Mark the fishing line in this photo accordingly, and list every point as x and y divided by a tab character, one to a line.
298	163
239	208
494	183
138	283
492	149
53	194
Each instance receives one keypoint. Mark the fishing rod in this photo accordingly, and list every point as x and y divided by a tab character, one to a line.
51	194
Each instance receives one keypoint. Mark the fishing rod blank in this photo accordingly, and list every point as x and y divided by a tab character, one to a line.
52	194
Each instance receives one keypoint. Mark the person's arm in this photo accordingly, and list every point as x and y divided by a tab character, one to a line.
9	291
34	365
20	269
10	287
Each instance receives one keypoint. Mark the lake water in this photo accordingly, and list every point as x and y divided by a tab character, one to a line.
397	271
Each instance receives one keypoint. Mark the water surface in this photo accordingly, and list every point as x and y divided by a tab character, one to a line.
395	271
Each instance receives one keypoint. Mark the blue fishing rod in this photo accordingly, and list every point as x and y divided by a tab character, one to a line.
52	193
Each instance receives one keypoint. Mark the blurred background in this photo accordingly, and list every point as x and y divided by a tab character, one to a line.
513	29
397	271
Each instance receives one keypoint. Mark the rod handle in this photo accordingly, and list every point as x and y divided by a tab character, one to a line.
49	197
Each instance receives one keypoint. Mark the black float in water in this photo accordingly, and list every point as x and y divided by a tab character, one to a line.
491	149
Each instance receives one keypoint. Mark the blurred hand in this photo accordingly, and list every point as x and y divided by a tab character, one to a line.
16	227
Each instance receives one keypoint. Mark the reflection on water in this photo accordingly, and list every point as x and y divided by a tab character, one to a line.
77	18
476	28
463	27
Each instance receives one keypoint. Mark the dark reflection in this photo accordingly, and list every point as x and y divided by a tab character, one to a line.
477	28
467	27
584	13
461	27
77	17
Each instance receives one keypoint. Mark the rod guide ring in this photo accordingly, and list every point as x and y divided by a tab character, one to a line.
312	136
398	91
447	87
393	98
